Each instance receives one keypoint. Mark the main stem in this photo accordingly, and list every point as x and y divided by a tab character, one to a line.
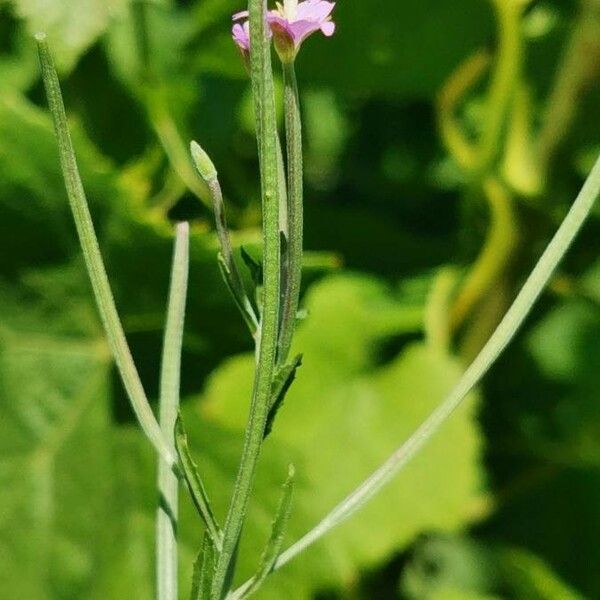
293	130
264	105
166	515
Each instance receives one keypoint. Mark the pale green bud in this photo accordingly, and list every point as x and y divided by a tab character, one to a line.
202	162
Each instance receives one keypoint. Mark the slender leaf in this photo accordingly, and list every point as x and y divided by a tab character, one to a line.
195	485
168	486
254	267
239	295
283	380
275	542
204	567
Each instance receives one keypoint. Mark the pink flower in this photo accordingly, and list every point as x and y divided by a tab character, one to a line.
241	35
291	23
297	20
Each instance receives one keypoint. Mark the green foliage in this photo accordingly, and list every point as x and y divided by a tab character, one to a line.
197	491
74	25
345	414
282	382
516	473
56	469
203	570
448	568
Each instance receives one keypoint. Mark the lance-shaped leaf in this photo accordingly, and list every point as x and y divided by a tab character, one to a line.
204	567
256	275
278	529
239	295
281	384
195	485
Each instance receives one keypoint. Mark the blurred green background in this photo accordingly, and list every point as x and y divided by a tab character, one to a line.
413	256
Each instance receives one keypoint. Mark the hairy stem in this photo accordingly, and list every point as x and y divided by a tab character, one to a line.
291	291
166	515
264	104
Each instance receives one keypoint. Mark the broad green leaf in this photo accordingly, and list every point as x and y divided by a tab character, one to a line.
56	525
36	226
382	45
345	414
72	25
531	578
446	568
18	63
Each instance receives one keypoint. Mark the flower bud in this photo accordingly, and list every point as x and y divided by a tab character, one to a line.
202	162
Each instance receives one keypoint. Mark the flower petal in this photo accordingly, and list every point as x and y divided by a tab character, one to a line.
241	35
314	10
328	28
302	29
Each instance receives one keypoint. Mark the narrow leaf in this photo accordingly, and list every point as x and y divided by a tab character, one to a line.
204	568
275	542
168	486
239	295
195	485
281	384
93	260
255	268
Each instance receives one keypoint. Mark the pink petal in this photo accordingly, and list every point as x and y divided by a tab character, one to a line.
244	14
314	10
328	28
302	29
241	35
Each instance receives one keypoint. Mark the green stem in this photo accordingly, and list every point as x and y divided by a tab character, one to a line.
208	172
235	278
166	516
578	71
502	336
264	104
93	261
291	291
460	82
174	147
495	255
157	105
506	73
